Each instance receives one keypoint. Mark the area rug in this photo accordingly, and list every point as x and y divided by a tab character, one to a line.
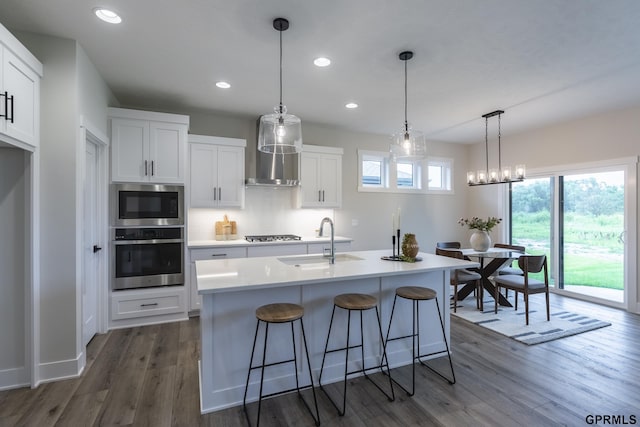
511	323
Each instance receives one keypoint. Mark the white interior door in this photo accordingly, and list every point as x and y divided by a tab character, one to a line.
90	269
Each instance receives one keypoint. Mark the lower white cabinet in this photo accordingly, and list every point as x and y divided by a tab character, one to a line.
199	254
277	250
319	248
222	252
145	306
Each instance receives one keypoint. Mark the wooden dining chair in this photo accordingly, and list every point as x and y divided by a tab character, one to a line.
462	277
529	264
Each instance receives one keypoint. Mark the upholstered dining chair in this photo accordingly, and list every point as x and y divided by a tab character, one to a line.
529	264
462	277
510	269
448	245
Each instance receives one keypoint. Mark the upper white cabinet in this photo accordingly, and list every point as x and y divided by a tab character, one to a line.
216	172
148	146
20	74
320	177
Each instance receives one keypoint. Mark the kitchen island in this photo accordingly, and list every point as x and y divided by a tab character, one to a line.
232	289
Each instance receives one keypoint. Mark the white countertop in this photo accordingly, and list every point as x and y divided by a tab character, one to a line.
239	274
243	242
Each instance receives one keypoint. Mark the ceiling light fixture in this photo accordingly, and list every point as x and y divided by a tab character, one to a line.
322	62
351	105
408	144
107	15
279	132
223	85
501	175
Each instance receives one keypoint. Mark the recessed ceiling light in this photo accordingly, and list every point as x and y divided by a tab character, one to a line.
322	62
223	85
351	105
107	15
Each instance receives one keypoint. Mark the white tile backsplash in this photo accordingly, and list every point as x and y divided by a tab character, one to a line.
268	210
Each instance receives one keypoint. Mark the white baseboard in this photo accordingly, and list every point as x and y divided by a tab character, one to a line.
13	378
61	369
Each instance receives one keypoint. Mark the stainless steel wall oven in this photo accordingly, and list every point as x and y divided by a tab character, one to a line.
147	257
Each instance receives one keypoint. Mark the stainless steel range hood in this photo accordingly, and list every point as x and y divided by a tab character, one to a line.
275	170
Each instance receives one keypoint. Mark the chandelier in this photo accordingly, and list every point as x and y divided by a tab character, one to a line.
501	175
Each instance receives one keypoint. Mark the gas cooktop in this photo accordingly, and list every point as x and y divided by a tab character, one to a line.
272	238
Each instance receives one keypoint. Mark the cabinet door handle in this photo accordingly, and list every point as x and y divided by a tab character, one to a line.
152	167
6	106
145	168
149	304
319	195
215	193
323	195
214	255
12	102
220	193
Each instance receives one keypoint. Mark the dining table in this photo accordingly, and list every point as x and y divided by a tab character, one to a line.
490	261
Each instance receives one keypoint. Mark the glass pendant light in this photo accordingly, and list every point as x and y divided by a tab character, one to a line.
279	132
408	144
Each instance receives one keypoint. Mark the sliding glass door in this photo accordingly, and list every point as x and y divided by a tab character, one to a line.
577	220
592	233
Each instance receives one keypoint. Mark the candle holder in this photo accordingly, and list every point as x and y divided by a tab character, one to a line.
393	242
398	239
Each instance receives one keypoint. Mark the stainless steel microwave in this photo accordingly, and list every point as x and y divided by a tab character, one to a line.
147	204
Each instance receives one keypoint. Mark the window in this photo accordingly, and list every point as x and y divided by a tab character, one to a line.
439	171
373	169
377	173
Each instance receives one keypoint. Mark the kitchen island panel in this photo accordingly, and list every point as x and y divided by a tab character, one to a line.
232	289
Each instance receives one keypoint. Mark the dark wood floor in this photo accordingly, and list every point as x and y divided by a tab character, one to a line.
147	376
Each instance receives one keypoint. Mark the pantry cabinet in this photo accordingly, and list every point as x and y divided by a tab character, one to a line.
320	177
216	168
20	74
148	146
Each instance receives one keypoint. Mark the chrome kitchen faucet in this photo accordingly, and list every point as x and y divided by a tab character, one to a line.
332	249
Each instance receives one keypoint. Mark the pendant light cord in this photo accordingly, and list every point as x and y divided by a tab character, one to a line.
499	154
280	71
486	141
406	124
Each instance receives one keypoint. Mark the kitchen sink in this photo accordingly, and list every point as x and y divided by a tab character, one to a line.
298	261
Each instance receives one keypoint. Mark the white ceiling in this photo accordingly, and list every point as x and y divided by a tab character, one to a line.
542	61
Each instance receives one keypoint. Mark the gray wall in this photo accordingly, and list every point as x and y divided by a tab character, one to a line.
71	87
12	260
58	226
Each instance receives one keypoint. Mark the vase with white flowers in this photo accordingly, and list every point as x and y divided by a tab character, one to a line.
480	240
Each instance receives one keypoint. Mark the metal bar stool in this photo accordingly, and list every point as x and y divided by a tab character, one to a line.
416	294
280	313
361	303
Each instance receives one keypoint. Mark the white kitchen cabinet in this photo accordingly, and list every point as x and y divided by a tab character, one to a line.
198	254
148	146
146	306
216	172
320	177
249	251
20	74
320	248
277	250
